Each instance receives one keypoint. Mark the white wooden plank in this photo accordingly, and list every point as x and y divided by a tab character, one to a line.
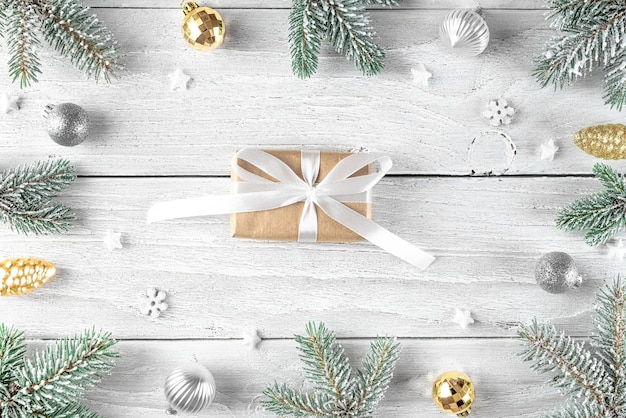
245	95
487	234
505	387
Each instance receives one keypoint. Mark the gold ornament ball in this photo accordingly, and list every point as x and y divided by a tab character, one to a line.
603	141
23	275
453	392
203	27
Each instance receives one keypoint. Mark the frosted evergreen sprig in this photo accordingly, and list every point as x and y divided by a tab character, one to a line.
344	23
595	379
52	382
592	36
337	390
26	193
67	26
603	214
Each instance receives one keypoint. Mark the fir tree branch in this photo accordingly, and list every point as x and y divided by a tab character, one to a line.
578	373
284	401
80	36
56	376
12	352
602	213
25	197
22	19
615	81
377	373
69	411
350	33
307	25
326	362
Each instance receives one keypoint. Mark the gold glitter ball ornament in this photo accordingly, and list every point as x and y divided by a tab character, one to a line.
23	275
203	27
453	392
603	141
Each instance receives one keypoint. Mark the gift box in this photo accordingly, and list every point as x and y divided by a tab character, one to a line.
282	224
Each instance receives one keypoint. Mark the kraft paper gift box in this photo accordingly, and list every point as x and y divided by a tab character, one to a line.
282	224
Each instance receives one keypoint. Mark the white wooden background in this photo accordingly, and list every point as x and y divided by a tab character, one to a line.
150	143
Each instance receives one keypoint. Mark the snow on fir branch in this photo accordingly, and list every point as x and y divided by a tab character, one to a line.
591	35
595	380
337	390
603	214
26	193
67	26
51	383
344	23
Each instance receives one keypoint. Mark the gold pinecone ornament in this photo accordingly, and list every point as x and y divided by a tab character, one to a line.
603	141
23	275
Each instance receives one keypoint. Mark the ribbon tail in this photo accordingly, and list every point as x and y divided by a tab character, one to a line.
375	233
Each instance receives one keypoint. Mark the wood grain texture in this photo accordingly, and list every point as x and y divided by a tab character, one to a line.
506	388
486	233
245	95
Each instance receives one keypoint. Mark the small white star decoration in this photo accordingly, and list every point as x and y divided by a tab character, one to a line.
251	339
616	249
548	150
179	80
463	317
421	75
9	103
113	240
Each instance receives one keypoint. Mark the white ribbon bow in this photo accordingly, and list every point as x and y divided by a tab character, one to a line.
257	193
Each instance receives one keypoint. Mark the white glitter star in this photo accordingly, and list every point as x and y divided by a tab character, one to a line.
251	339
421	75
463	317
9	103
548	150
178	80
616	250
113	240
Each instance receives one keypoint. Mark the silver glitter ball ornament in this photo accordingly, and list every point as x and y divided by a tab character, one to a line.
556	272
190	389
465	32
67	124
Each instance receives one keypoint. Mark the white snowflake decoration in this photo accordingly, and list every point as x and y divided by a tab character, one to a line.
499	112
154	303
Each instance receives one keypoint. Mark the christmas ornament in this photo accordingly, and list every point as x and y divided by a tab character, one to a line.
499	112
463	317
9	103
556	272
190	389
491	154
251	339
23	275
113	240
203	28
179	80
465	32
67	124
154	303
603	141
548	149
453	392
421	75
616	250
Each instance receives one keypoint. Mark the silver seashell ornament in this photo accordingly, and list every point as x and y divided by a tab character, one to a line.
465	32
189	389
67	124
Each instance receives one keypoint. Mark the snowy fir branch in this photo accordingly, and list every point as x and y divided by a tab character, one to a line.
67	26
603	214
26	193
344	23
595	380
592	37
337	390
52	382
